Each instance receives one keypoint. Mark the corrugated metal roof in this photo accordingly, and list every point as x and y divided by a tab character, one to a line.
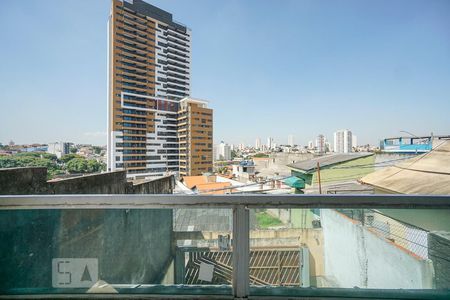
326	161
428	173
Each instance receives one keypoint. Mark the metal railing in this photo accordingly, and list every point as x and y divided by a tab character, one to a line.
240	205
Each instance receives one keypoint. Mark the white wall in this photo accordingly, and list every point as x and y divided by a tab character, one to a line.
354	256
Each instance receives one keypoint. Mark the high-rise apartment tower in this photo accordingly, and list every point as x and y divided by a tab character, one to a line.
154	127
291	140
343	141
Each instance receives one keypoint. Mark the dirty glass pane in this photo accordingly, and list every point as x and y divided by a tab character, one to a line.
351	248
203	246
277	248
113	250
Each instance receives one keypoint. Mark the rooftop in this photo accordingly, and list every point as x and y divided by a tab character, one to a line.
327	161
428	173
206	184
151	11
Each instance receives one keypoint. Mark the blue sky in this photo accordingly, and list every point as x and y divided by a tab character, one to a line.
269	68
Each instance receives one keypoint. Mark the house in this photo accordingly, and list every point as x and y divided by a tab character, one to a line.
343	167
206	184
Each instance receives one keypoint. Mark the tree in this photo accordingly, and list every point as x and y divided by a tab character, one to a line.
77	165
44	155
81	165
94	166
32	159
68	157
97	149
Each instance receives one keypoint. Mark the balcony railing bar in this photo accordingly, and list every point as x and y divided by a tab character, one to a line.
222	201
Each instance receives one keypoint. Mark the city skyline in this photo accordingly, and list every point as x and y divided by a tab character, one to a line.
351	65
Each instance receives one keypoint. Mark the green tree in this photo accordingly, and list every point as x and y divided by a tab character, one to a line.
81	165
68	157
44	155
77	165
32	159
94	166
233	154
97	149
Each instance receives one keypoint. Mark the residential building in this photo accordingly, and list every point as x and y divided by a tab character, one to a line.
223	151
343	141
411	144
334	168
195	133
270	143
354	141
320	144
310	145
291	140
149	58
245	170
37	148
59	149
258	143
207	185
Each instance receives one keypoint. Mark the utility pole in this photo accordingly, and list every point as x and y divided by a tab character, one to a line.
318	174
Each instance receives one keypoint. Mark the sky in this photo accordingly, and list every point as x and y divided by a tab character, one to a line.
268	68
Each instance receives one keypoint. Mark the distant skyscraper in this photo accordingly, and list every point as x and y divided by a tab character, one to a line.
320	144
258	143
354	141
154	127
310	145
343	141
269	143
223	151
291	140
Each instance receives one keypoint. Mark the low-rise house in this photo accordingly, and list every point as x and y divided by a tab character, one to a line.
245	170
333	168
206	184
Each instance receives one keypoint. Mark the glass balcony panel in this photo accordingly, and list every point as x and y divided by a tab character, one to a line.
383	249
62	251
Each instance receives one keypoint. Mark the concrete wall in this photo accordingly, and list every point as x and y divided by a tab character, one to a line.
439	253
19	181
277	163
281	213
163	185
354	256
28	181
103	183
